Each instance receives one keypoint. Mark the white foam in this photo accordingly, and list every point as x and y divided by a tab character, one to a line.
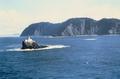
46	48
92	39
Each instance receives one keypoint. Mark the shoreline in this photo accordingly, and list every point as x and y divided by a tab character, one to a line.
2	36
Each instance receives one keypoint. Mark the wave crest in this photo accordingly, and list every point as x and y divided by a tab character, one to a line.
46	48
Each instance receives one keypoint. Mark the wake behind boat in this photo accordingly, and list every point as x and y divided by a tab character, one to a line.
31	44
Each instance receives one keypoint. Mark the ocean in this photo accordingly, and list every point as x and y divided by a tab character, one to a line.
82	57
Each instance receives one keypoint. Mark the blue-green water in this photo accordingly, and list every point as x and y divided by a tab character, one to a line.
86	57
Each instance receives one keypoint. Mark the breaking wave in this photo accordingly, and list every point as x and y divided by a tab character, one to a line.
92	39
46	48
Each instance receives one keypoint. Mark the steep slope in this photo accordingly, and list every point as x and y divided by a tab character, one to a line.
73	27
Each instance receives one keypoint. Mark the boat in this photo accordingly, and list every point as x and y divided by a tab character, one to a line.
29	43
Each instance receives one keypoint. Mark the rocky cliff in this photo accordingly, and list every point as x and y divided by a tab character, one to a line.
73	27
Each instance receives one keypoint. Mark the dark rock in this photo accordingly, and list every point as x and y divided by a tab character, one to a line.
25	45
30	44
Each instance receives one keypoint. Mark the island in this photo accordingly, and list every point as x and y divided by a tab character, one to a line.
74	27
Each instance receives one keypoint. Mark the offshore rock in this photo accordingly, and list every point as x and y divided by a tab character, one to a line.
30	44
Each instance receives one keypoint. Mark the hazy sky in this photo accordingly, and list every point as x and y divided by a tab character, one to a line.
15	15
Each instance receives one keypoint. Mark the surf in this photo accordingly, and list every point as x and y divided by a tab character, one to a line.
91	39
39	49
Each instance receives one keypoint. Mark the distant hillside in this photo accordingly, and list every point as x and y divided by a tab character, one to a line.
73	27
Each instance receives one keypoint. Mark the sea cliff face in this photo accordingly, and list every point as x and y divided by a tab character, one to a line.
74	27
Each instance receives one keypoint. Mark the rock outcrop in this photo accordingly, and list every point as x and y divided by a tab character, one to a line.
73	27
30	44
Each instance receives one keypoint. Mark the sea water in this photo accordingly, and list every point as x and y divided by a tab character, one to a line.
83	57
